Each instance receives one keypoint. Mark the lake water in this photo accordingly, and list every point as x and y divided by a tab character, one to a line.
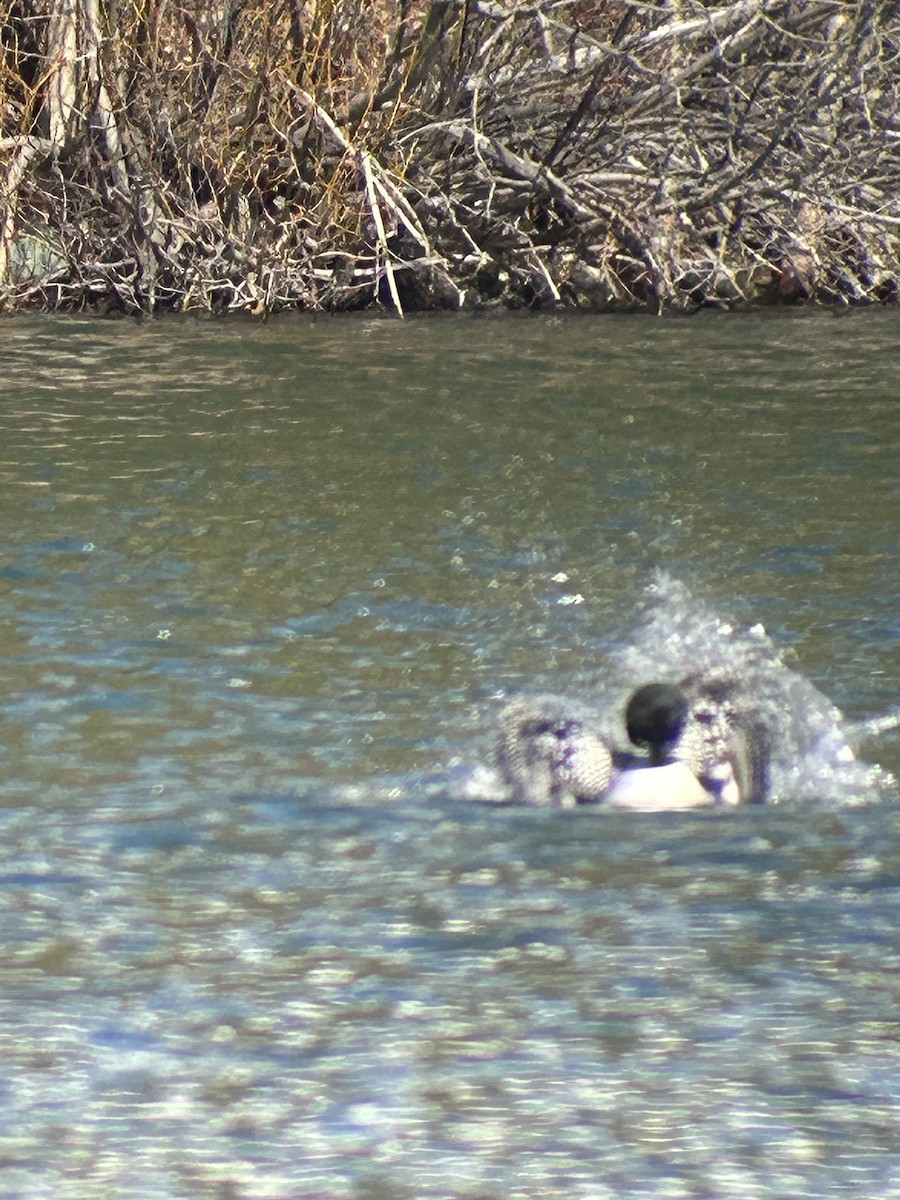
262	591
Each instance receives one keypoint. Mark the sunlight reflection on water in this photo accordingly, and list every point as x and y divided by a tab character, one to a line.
261	589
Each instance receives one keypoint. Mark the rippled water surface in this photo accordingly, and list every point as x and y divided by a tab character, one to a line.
262	589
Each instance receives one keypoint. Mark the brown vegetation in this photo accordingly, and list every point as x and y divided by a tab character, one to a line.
261	154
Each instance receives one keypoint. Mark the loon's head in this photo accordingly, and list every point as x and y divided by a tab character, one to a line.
655	717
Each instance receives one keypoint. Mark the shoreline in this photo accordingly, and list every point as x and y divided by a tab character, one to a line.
599	157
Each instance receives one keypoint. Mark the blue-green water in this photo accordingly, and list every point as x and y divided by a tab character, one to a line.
261	589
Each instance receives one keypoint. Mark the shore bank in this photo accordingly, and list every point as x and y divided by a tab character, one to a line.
250	157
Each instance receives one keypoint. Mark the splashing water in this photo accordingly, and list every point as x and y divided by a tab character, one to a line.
813	755
812	746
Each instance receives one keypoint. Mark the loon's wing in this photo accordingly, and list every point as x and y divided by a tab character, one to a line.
549	754
724	730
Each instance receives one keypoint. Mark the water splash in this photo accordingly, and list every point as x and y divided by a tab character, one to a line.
814	750
813	747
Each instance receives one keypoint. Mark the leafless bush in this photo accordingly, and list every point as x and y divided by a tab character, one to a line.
261	154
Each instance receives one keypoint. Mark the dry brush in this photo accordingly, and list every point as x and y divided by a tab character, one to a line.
255	155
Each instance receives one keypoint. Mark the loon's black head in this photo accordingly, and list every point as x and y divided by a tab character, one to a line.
655	717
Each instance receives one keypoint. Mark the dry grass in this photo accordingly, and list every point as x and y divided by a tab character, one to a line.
249	155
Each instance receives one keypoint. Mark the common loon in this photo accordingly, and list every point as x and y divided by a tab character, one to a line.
703	742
